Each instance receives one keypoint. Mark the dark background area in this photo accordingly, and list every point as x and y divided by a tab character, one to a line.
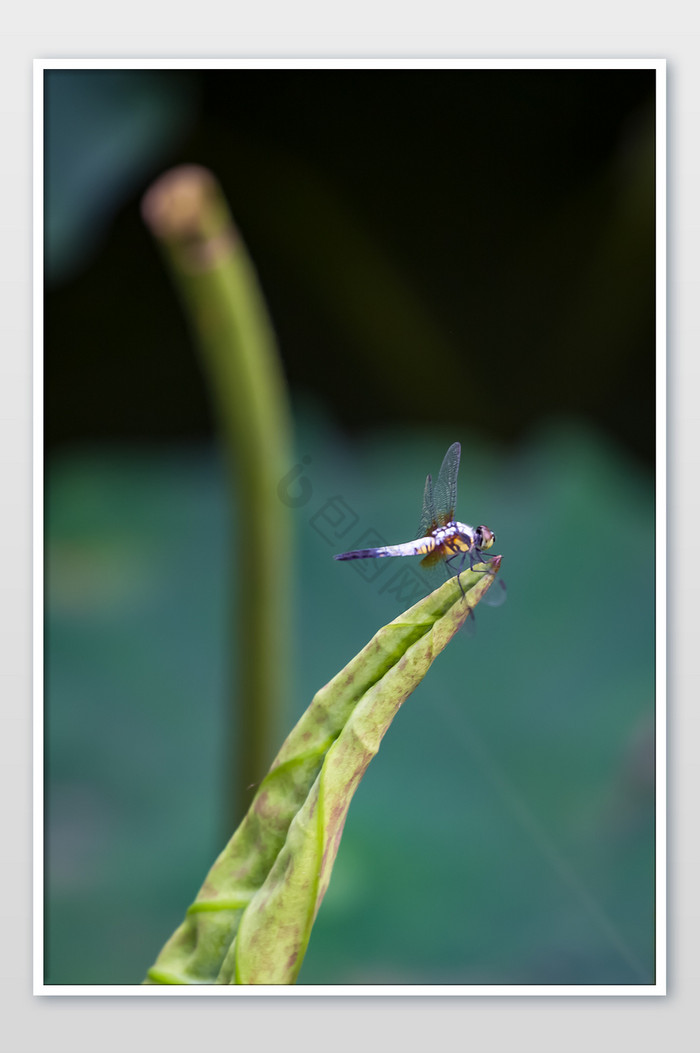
417	234
447	255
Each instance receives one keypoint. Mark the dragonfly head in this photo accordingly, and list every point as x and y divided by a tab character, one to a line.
484	537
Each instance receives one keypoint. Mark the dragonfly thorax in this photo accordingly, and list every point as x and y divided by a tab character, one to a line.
460	536
454	530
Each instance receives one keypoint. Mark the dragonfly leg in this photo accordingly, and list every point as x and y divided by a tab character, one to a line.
461	556
497	593
475	556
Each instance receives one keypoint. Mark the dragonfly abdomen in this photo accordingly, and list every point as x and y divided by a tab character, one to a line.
409	548
364	553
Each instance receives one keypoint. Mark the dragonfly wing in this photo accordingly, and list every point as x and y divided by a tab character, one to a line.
432	575
427	519
446	486
496	594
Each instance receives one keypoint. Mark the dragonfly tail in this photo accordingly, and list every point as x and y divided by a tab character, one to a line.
363	553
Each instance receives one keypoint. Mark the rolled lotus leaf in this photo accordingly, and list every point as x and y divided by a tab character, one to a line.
252	918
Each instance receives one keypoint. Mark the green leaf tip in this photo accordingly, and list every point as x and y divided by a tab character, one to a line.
252	918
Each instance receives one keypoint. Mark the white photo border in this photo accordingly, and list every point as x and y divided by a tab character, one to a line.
658	988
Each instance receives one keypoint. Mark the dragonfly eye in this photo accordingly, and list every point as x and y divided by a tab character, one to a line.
485	537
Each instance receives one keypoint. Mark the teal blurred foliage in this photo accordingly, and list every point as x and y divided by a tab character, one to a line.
106	131
505	831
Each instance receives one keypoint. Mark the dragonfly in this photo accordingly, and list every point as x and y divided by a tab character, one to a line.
442	540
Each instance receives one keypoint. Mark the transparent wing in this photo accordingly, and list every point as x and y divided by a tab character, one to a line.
446	486
496	594
437	575
427	518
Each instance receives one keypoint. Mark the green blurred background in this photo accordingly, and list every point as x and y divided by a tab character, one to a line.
446	254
